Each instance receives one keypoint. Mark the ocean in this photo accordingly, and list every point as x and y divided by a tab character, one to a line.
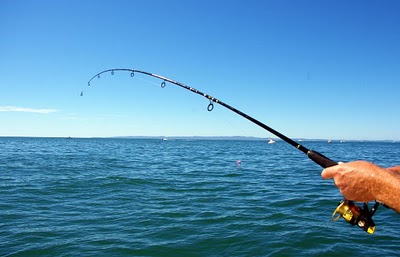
148	197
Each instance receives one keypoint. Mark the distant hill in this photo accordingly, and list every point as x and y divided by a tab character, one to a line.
196	137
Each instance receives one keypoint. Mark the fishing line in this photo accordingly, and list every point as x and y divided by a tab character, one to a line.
346	209
150	82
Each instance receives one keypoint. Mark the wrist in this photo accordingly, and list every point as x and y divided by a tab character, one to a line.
388	193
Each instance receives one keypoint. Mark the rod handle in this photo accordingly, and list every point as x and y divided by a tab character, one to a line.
321	159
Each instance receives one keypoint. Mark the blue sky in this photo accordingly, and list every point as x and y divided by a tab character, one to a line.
310	69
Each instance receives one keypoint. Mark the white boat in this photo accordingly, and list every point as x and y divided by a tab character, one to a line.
271	141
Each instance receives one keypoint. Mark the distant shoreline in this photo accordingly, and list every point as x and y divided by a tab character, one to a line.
237	138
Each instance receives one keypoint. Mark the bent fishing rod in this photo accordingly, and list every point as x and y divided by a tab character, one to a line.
348	210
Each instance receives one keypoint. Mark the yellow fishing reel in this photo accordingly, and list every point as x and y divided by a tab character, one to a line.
355	215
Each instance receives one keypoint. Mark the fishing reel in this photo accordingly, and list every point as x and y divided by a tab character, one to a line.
355	215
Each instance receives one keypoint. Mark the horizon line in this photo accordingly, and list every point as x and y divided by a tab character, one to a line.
253	138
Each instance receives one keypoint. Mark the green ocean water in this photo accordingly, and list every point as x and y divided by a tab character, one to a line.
130	197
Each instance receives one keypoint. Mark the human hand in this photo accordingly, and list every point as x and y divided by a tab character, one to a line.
357	181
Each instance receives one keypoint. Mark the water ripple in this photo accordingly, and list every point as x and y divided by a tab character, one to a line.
120	197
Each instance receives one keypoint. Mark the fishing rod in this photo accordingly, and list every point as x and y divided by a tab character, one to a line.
348	210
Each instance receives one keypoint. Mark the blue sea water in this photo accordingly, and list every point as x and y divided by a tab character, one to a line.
131	197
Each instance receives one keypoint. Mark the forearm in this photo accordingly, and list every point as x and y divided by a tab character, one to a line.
395	169
389	192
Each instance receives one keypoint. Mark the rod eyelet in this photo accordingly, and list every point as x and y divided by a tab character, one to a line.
210	106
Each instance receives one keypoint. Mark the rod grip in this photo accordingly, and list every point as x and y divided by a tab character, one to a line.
321	159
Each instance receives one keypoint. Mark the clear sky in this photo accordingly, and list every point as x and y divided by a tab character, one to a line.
310	69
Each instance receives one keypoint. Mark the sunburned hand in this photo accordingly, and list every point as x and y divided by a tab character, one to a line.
357	181
363	181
